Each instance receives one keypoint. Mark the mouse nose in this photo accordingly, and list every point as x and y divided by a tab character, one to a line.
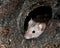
27	36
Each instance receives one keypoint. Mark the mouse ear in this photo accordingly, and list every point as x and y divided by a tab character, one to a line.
42	26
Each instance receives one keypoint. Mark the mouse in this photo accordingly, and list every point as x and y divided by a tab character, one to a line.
36	21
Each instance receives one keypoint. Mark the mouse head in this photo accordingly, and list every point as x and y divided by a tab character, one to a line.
35	31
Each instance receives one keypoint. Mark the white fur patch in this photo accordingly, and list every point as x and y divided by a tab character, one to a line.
31	23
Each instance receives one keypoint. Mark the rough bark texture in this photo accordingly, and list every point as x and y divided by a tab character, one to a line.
12	16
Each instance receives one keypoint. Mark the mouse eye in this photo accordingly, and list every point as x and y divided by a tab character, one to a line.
33	31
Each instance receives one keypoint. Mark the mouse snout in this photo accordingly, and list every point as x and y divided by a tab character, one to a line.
27	36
